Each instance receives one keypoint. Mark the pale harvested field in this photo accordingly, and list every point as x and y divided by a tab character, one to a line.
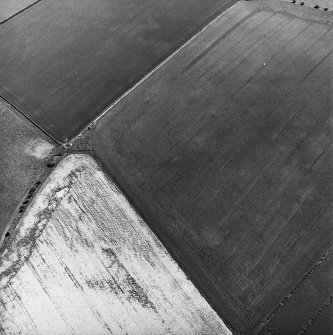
82	261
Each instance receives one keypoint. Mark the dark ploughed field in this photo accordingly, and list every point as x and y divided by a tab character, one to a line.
226	152
64	61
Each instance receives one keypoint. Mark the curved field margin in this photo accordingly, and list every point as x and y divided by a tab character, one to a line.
11	8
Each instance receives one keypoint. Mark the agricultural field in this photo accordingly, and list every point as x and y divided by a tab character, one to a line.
74	58
166	167
226	152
